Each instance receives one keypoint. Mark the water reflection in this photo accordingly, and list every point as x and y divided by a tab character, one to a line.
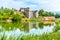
17	29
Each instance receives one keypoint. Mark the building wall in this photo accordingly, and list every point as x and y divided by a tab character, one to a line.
37	14
22	10
29	14
49	18
25	11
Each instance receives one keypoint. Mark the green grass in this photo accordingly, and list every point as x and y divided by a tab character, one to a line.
36	20
57	21
50	36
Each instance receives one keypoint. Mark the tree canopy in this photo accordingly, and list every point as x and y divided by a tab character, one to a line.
46	13
6	13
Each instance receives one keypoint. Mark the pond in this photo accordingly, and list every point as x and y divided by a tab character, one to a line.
16	29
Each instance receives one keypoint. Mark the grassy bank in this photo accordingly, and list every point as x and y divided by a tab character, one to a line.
51	36
39	19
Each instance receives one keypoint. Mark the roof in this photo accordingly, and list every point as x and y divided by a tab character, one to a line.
48	17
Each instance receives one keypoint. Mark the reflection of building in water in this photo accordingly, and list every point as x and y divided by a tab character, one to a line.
48	19
33	25
29	25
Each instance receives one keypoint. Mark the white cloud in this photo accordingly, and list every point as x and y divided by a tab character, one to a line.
51	5
11	4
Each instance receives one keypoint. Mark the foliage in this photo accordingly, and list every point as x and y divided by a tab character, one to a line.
6	13
51	36
41	12
57	15
45	13
16	17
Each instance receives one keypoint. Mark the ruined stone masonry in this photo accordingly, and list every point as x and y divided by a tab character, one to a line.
28	13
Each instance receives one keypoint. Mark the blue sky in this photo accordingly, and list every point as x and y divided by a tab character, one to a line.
48	5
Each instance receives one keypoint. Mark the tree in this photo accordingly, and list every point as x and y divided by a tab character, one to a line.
51	14
45	13
41	12
6	13
57	15
16	17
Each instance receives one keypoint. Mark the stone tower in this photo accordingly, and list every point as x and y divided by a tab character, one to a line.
29	14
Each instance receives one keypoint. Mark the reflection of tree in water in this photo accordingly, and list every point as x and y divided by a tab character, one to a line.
28	26
57	28
13	26
25	27
6	26
10	26
22	26
35	25
41	25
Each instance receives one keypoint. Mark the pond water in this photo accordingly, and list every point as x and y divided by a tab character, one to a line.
16	29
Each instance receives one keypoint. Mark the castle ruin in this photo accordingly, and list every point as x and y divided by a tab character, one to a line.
28	13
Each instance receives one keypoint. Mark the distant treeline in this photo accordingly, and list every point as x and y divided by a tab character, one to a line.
46	13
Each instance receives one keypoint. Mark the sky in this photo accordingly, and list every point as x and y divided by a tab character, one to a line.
47	5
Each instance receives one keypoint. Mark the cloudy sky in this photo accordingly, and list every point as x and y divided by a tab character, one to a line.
48	5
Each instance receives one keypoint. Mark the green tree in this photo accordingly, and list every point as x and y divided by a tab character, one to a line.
41	12
51	14
45	13
57	15
16	17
